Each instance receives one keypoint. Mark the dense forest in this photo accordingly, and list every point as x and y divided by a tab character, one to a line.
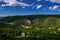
30	27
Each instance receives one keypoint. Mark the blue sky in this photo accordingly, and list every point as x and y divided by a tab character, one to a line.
29	7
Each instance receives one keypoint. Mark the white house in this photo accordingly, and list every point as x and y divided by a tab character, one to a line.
58	29
23	34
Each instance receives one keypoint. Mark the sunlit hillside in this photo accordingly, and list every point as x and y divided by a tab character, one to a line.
43	27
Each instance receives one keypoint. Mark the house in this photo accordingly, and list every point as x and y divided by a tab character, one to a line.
58	29
11	23
23	34
26	26
28	21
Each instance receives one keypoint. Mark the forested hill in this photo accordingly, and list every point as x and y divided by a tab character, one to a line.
30	17
46	27
33	19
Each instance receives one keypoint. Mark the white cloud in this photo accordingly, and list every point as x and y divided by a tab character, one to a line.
23	7
54	1
59	10
54	7
3	5
46	0
38	6
38	0
1	0
57	1
21	0
13	3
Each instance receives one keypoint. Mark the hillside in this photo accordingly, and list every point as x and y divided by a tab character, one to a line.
30	17
34	26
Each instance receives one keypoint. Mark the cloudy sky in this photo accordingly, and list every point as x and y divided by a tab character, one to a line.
29	7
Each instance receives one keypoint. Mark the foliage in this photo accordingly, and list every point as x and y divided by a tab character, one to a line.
43	28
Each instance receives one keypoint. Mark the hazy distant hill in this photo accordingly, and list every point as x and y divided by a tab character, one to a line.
30	17
18	20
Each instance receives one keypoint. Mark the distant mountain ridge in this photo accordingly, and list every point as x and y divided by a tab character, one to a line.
18	20
30	17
